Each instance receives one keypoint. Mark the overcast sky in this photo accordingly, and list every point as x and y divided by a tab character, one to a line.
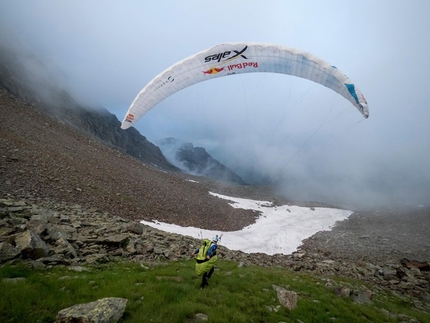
291	129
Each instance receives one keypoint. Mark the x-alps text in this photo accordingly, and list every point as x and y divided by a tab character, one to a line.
227	55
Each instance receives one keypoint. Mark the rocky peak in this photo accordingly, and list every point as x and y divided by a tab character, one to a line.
197	161
41	92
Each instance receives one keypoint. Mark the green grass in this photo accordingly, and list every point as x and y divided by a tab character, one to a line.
170	293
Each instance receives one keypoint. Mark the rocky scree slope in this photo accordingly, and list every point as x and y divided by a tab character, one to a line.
43	157
29	80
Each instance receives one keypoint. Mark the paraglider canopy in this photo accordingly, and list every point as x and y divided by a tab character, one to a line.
238	58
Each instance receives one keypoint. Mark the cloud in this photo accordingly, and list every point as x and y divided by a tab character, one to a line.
311	141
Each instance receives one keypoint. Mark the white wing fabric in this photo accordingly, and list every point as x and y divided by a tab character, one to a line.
237	58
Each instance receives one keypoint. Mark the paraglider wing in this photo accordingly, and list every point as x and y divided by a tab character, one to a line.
237	58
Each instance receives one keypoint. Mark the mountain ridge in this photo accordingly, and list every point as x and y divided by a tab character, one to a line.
39	91
41	94
196	161
43	158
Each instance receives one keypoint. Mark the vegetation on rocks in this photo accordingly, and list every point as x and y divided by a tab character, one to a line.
169	292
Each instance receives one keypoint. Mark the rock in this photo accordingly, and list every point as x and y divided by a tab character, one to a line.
299	255
167	253
414	272
19	209
199	317
406	285
13	280
361	297
118	239
137	228
31	245
8	251
38	226
343	291
328	262
425	297
130	248
421	265
64	247
78	268
96	258
3	212
40	216
105	310
389	275
37	265
286	298
57	259
17	221
158	250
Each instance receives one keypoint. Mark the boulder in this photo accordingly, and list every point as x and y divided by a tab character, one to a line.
31	245
361	297
96	258
120	240
56	259
105	310
41	216
286	297
37	226
343	291
199	317
136	228
421	265
64	247
8	251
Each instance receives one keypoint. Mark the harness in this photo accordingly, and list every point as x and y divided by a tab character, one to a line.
203	251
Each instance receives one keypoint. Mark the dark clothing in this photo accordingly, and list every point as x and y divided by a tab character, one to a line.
206	277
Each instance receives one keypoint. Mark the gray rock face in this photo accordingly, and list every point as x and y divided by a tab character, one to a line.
197	161
31	245
8	252
105	310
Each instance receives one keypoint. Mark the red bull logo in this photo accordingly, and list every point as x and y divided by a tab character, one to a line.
214	70
242	65
129	118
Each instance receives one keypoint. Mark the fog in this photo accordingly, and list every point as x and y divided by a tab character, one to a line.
303	138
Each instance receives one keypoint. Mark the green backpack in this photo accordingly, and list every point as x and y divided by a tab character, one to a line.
204	265
203	250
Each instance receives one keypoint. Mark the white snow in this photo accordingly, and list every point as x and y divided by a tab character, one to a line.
279	229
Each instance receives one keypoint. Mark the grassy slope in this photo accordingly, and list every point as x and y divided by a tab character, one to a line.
170	293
